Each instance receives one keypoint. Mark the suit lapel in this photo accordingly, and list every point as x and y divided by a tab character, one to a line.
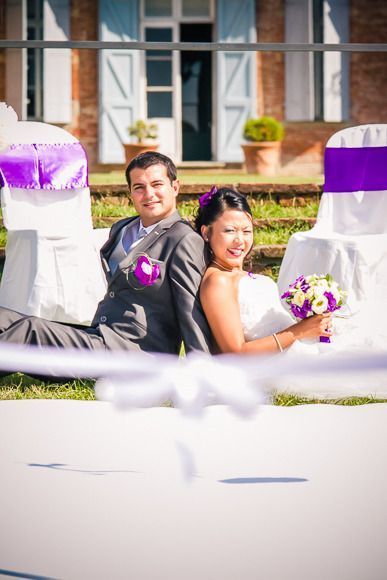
147	242
151	238
109	246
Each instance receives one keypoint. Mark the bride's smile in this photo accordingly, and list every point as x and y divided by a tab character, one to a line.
230	238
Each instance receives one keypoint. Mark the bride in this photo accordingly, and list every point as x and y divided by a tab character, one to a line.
244	310
246	315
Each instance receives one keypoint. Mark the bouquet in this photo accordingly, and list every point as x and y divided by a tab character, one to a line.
314	294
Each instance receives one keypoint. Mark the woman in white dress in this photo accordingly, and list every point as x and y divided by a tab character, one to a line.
244	310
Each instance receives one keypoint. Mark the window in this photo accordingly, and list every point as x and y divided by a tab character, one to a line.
158	8
318	60
197	8
159	74
34	61
317	84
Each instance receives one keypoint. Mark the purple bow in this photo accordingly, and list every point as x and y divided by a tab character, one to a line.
206	197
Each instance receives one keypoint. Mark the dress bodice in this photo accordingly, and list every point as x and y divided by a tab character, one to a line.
260	307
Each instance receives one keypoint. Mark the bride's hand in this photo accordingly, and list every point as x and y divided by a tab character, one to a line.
314	326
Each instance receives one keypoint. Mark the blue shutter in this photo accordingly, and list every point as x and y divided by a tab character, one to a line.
119	78
236	76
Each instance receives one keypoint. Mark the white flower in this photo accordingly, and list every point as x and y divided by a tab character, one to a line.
309	294
337	295
320	287
320	305
299	298
146	268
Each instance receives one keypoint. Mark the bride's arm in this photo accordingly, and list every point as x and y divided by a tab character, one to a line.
219	299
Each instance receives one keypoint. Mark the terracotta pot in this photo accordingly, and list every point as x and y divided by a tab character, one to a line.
134	149
262	157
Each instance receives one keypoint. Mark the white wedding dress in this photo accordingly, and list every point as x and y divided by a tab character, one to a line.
263	313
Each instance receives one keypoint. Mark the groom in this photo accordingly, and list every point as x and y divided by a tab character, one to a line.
153	263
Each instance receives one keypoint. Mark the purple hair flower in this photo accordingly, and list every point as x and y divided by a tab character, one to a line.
206	197
145	271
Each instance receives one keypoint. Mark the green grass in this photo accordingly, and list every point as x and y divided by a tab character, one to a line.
289	400
260	209
270	209
18	386
3	237
210	177
277	234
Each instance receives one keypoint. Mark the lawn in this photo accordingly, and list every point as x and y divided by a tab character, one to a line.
18	386
210	177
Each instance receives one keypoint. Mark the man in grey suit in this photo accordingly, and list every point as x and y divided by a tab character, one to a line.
153	263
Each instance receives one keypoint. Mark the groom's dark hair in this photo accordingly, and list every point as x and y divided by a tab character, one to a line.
148	158
217	203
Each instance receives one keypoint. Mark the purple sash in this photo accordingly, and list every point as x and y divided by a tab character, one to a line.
45	166
355	169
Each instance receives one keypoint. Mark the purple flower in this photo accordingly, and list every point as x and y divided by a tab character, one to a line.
300	280
145	271
297	311
332	304
286	294
306	308
206	197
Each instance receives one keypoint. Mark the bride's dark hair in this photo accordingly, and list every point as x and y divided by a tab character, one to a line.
217	201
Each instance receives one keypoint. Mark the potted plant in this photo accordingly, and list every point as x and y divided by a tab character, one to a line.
262	152
144	132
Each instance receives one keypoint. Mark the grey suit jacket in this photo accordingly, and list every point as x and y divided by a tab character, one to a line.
156	318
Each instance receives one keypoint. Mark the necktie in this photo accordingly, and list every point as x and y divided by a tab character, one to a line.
141	234
128	242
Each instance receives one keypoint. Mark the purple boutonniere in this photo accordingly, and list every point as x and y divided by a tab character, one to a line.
145	270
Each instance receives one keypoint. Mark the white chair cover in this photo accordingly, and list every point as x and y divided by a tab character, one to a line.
349	239
52	266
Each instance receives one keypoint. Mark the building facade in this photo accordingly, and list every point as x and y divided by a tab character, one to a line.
200	100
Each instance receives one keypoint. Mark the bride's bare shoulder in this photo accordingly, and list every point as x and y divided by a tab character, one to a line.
215	279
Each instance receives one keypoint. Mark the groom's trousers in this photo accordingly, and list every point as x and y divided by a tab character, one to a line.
30	330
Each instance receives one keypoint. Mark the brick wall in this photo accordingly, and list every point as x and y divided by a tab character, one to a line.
368	71
84	26
303	147
2	52
270	19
